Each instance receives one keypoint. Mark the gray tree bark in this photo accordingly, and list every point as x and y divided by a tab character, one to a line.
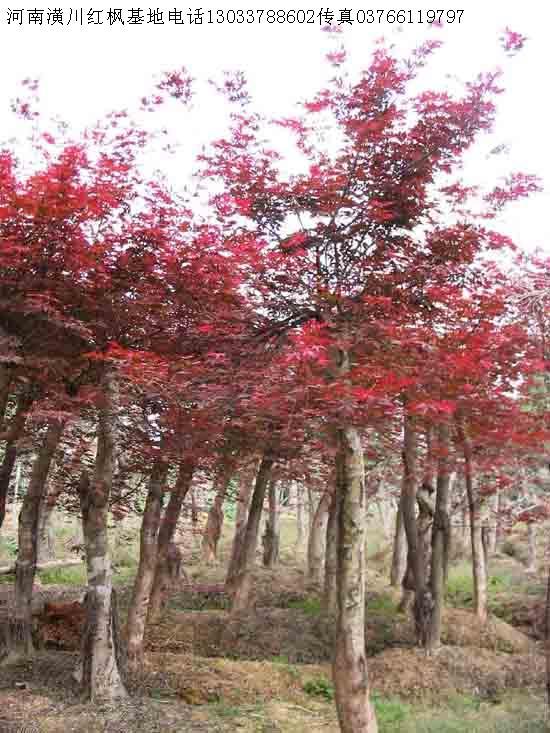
242	580
20	636
148	551
101	666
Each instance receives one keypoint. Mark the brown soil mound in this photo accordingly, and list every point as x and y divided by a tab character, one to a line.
461	628
409	673
262	634
198	681
301	638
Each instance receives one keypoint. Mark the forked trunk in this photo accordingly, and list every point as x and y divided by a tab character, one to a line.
271	536
20	637
355	710
479	567
137	613
163	580
399	554
317	536
242	580
101	667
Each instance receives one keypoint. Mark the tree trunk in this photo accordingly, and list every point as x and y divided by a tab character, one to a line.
148	548
243	501
440	541
310	509
162	579
317	536
271	538
355	710
101	667
5	384
214	523
20	636
46	535
241	585
399	555
330	592
531	547
301	524
10	453
416	559
493	523
479	567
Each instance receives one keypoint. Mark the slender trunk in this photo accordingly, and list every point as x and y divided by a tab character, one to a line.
493	523
242	581
46	536
6	469
416	560
162	579
245	490
399	555
137	613
501	508
5	384
330	594
479	567
440	541
531	547
384	514
547	642
271	536
317	536
10	453
21	629
310	509
301	524
355	710
101	667
214	523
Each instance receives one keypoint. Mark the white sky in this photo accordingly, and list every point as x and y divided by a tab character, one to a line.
87	71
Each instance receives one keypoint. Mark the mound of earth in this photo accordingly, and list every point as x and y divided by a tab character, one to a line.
461	628
261	634
199	681
302	638
409	673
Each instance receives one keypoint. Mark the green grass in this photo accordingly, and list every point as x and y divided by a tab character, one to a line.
383	605
460	587
64	576
319	687
310	606
462	714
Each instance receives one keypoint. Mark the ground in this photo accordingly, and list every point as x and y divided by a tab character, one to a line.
268	671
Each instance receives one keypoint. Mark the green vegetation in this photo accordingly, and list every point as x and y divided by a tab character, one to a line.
311	606
63	576
319	687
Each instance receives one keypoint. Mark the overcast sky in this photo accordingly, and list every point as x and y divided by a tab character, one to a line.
88	70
